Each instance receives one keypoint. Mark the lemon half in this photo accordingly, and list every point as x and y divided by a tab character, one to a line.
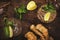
31	5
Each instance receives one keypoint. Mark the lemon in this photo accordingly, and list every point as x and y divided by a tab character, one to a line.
11	31
47	16
31	5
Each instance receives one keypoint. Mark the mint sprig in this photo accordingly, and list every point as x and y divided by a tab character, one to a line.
49	8
20	11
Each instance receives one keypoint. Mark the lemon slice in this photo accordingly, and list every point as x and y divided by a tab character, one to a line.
31	5
47	16
11	32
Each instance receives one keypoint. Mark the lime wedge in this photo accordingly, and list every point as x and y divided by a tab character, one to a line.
6	31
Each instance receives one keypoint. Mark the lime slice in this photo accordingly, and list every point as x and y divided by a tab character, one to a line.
47	16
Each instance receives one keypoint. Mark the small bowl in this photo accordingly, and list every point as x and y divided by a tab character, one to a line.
41	12
16	28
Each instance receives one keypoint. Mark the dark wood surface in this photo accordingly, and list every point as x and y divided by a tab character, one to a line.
30	18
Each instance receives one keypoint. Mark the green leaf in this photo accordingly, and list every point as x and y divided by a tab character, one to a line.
22	9
10	23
